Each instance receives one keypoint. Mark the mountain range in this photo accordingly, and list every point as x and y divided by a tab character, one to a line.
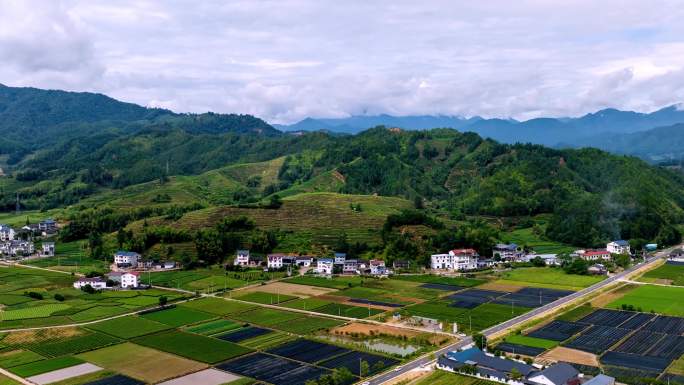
587	130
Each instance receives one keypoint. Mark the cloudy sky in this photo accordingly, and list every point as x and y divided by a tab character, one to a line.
284	60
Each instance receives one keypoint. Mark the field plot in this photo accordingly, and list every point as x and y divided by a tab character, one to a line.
287	288
638	321
64	374
468	320
217	306
271	369
118	379
142	363
244	334
203	377
531	341
377	295
308	351
442	287
376	303
401	291
606	317
598	339
558	330
40	367
267	317
634	361
519	349
668	273
352	360
554	278
210	279
308	325
213	327
128	327
264	298
440	280
343	310
336	283
18	357
671	347
578	357
472	298
532	297
193	346
667	325
267	340
71	345
640	342
651	298
306	303
177	316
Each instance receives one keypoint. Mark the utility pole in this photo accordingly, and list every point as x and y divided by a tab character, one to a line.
18	206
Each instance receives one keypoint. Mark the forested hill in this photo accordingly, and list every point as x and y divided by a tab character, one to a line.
588	195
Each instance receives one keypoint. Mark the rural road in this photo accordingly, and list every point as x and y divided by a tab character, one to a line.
517	321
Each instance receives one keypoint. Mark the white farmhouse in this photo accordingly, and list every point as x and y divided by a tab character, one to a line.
242	258
126	280
377	267
455	260
126	258
6	233
96	283
277	261
324	266
618	247
48	249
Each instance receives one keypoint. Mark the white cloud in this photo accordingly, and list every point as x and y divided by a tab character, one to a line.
284	60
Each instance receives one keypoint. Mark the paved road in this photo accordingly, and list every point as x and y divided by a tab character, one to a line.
385	377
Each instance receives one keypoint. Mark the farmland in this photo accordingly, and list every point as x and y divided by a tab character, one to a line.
128	327
210	279
660	299
196	347
553	278
177	316
667	274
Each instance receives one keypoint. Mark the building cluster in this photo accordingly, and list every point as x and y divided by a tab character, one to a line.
19	242
112	280
337	264
469	259
474	362
130	260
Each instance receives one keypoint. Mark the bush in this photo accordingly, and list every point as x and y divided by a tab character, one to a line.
34	295
59	297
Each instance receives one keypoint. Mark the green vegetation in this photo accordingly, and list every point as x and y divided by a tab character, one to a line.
213	327
265	298
659	299
455	281
177	316
576	313
306	303
266	316
307	325
218	306
73	345
441	377
32	312
18	357
40	367
210	279
531	341
469	321
193	346
269	340
549	277
128	327
534	238
344	310
331	283
672	273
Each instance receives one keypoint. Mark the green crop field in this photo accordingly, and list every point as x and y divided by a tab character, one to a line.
7	381
210	279
401	288
441	377
331	283
531	341
307	325
344	310
12	358
672	273
193	346
213	327
39	311
541	246
70	257
363	292
265	298
306	303
73	345
178	316
468	321
425	278
128	327
549	277
40	367
266	341
659	299
267	317
576	313
218	306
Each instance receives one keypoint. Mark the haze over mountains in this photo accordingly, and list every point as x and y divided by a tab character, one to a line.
624	132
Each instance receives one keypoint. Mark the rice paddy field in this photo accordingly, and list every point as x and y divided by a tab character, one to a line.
659	299
670	274
210	279
546	277
61	303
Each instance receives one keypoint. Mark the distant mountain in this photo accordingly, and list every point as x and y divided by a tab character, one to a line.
655	145
547	131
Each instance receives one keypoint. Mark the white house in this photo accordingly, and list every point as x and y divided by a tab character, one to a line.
96	283
558	374
47	226
125	279
618	247
351	266
455	260
593	255
508	252
377	267
17	247
277	261
242	258
325	266
304	261
126	258
6	233
48	249
340	258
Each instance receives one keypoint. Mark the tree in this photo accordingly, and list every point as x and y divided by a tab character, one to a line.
275	202
515	374
538	262
163	300
88	289
480	341
59	297
364	368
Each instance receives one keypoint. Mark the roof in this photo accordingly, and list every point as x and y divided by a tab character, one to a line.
94	279
325	260
127	253
596	252
621	242
463	251
559	373
377	262
119	273
494	363
340	255
243	252
504	246
601	379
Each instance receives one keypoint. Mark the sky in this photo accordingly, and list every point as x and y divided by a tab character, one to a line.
285	60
